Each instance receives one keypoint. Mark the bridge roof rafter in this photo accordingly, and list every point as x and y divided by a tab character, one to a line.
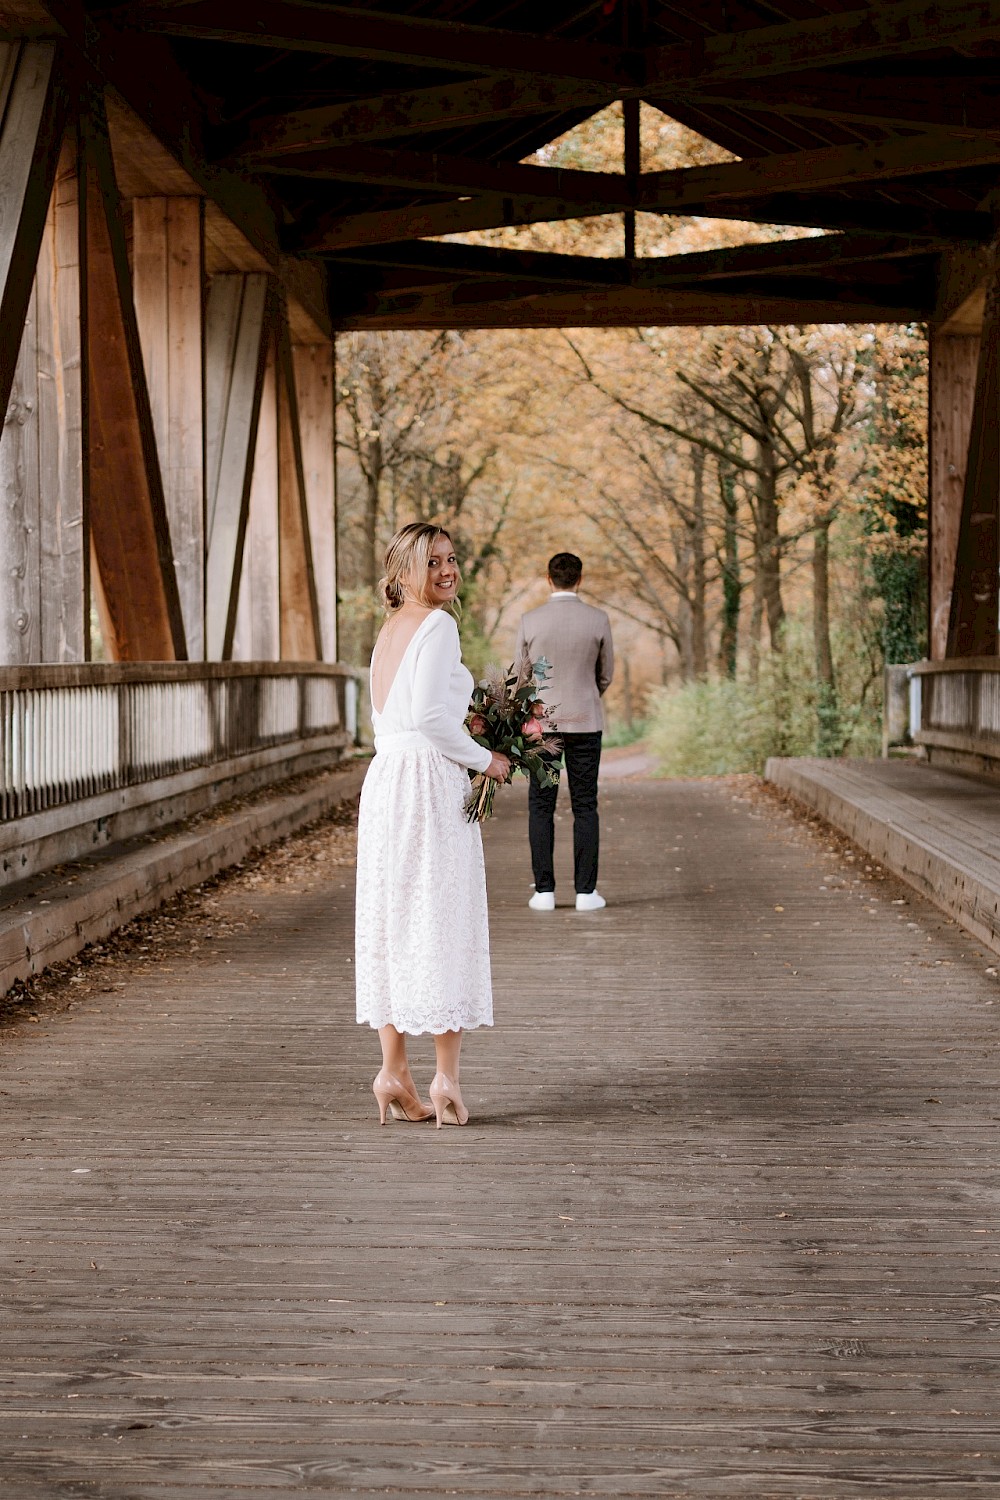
337	135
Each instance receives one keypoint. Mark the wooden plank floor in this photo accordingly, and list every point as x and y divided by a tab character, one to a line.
938	828
724	1224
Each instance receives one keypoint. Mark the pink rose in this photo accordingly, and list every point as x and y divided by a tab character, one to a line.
532	730
477	724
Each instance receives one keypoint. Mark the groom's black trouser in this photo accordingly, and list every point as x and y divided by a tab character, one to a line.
581	755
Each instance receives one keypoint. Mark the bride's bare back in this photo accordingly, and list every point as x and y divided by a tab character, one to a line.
390	648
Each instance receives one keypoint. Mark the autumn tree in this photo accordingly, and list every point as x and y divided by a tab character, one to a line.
891	500
421	420
748	501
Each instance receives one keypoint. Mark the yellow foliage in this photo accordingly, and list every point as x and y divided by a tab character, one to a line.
643	449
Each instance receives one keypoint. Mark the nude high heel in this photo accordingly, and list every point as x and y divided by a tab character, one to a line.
400	1104
447	1101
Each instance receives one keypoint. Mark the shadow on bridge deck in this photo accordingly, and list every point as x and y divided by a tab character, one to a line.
723	1223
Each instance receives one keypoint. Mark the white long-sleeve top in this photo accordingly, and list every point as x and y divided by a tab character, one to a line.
430	694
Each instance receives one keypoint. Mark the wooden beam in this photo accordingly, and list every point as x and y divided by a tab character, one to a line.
169	282
789	279
872	32
417	41
813	171
314	385
975	595
953	362
854	36
20	491
963	274
460	301
336	236
127	512
685	190
757	51
455	106
145	73
239	323
43	577
931	100
861	212
63	520
257	633
336	232
451	262
623	307
434	172
894	298
34	108
300	623
632	161
592	192
785	257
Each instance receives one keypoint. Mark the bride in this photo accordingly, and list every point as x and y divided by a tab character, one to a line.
422	958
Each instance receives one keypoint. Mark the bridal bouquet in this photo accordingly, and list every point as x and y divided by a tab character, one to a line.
508	716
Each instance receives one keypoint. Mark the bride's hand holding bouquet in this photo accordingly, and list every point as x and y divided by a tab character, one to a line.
508	717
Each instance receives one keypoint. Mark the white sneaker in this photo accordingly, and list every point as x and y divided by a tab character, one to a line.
544	901
589	901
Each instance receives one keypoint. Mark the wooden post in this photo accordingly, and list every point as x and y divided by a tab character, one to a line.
257	636
128	518
239	323
34	110
168	272
314	383
62	528
43	577
20	625
975	599
300	627
632	164
953	361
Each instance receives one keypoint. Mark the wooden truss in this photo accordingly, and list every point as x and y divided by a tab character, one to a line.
324	129
135	385
975	597
339	144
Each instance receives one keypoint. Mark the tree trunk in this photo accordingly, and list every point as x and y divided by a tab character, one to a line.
370	553
756	621
373	495
732	586
685	639
769	541
828	734
699	643
685	612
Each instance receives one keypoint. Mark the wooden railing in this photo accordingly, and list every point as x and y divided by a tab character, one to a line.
93	754
69	732
958	715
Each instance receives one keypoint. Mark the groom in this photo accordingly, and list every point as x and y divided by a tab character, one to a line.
575	639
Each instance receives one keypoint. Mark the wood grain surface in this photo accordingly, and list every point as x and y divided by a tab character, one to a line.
723	1223
935	826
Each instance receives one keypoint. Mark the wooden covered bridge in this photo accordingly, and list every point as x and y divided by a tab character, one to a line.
725	1222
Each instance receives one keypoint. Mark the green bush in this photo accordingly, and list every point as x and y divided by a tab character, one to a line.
720	726
712	728
618	732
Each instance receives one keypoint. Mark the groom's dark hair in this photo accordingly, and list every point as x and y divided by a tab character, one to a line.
565	570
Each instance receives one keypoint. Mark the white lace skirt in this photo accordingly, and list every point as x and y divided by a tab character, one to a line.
422	943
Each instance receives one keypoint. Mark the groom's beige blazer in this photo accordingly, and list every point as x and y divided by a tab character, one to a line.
575	638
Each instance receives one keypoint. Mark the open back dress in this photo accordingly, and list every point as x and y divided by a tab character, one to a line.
422	946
